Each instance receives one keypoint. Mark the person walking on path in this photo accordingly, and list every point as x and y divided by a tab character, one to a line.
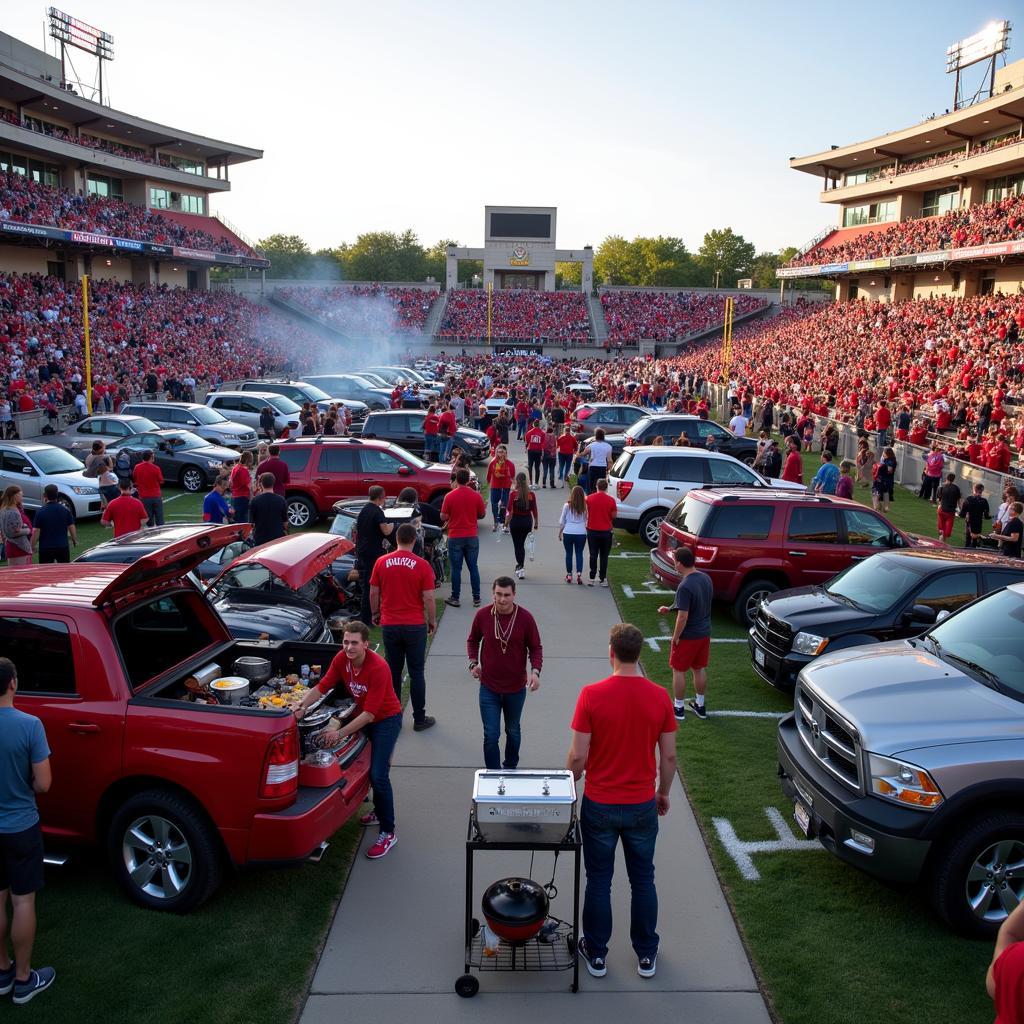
268	512
949	502
975	509
241	487
401	597
534	441
125	513
359	672
24	771
500	474
149	478
277	467
601	509
617	725
15	529
372	527
522	519
600	458
548	457
52	528
691	635
502	639
566	446
572	532
462	509
883	486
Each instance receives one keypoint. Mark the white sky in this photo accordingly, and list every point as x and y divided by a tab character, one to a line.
650	117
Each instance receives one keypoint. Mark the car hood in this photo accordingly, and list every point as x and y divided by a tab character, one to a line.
249	618
919	700
294	560
786	485
918	540
815	610
231	429
476	436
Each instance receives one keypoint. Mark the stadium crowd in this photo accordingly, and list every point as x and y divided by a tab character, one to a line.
372	308
519	315
666	316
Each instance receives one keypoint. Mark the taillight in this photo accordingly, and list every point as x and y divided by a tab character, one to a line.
582	414
622	488
281	765
705	553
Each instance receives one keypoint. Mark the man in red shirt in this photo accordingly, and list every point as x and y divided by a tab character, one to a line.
431	425
601	509
501	640
793	467
401	594
883	420
277	468
365	675
534	450
617	726
125	513
446	433
461	509
148	477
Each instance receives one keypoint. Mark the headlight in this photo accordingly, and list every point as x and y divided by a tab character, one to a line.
903	783
85	490
809	643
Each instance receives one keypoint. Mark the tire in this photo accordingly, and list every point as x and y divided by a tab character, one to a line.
192	479
68	504
177	824
438	500
977	875
744	608
301	512
467	986
748	459
650	526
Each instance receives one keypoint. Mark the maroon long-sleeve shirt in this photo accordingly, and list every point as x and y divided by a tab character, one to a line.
504	672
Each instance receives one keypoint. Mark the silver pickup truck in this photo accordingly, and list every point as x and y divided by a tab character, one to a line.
906	759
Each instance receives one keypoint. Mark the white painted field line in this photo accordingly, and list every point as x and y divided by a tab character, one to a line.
749	714
741	852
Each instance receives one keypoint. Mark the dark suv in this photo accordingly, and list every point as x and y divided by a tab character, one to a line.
326	470
671	425
890	596
404	427
754	543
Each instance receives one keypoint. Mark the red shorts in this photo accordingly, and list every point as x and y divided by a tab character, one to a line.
689	654
946	521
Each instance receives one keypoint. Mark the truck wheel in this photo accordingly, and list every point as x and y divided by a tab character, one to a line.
650	526
301	512
164	852
192	479
744	609
977	877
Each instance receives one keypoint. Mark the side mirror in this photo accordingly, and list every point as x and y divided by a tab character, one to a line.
28	471
920	615
896	540
190	423
404	471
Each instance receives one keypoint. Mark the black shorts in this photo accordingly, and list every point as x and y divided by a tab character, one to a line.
21	861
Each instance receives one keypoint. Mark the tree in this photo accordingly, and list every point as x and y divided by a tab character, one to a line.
384	256
568	275
727	256
763	269
288	254
663	262
614	261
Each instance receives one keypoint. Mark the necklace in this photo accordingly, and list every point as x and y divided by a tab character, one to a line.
504	635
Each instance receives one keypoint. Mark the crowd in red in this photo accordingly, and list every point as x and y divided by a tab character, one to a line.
518	314
31	202
142	338
982	224
371	308
666	316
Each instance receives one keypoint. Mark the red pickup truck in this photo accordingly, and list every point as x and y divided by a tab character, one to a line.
177	791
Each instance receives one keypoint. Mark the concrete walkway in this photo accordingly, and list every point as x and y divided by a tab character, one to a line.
396	945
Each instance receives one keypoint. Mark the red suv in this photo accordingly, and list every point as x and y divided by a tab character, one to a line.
753	543
326	470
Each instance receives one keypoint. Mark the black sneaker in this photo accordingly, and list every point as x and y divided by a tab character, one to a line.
7	980
679	708
476	602
38	981
425	723
646	966
595	964
452	602
700	710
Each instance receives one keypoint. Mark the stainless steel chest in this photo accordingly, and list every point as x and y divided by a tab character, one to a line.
521	806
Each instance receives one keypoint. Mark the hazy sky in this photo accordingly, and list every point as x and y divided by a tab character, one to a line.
632	118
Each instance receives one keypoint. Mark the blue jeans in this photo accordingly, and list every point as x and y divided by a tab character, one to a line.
431	448
603	825
444	448
499	501
574	543
241	507
520	428
492	705
467	548
383	736
564	462
408	645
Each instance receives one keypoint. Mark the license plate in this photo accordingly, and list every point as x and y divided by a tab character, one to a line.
759	656
802	816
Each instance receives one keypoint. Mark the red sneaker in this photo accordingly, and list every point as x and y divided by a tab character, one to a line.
384	843
369	819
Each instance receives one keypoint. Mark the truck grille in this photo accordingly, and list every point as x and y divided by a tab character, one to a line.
773	634
832	740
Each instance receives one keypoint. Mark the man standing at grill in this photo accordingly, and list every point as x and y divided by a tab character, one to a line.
501	640
401	593
618	723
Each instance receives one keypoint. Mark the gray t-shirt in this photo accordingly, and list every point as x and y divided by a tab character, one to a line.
22	744
694	596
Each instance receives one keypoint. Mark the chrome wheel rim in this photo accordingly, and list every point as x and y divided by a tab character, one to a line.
754	603
995	883
652	532
298	514
157	857
192	480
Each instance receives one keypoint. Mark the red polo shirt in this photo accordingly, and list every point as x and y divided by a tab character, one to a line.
464	507
601	509
148	477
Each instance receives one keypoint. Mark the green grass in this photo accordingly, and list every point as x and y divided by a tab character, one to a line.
830	944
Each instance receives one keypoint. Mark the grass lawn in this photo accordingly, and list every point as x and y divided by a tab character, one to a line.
830	944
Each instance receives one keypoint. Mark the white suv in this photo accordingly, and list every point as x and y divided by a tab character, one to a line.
647	482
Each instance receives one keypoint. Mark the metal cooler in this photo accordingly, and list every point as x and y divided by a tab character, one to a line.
521	806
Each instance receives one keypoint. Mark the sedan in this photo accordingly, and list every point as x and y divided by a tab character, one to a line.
110	429
32	465
185	458
611	417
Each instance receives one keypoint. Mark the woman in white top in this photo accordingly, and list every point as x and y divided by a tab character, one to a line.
572	532
1004	515
600	458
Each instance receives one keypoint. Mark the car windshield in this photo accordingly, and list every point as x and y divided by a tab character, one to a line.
140	424
639	427
207	417
283	405
373	379
51	461
342	525
413	460
249	576
690	515
983	639
185	441
874	584
316	394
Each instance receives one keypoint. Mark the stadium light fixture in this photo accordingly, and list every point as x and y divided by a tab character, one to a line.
993	39
68	31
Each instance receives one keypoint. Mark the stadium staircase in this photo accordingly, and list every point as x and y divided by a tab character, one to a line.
598	324
212	225
435	316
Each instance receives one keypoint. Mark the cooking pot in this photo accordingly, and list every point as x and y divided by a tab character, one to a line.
515	908
256	670
309	726
230	689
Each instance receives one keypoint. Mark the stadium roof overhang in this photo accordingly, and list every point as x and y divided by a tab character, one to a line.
1004	111
43	99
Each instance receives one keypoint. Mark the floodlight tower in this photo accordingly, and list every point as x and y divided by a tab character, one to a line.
985	45
70	31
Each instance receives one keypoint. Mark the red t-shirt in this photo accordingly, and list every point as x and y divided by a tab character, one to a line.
369	685
534	439
278	468
446	423
566	444
402	577
464	507
601	509
431	424
148	477
503	477
883	418
241	481
793	469
125	512
625	716
1008	974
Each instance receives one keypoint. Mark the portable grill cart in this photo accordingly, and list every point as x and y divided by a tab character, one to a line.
532	812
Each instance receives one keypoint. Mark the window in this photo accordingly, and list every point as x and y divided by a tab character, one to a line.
1001	188
949	592
997	579
378	463
864	528
401	424
86	427
160	198
724	471
741	522
652	468
867	174
706	429
869	213
47	174
183	163
41	652
940	200
338	460
228	403
192	204
255	405
689	515
115	429
813	526
685	469
100	185
15	462
295	459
